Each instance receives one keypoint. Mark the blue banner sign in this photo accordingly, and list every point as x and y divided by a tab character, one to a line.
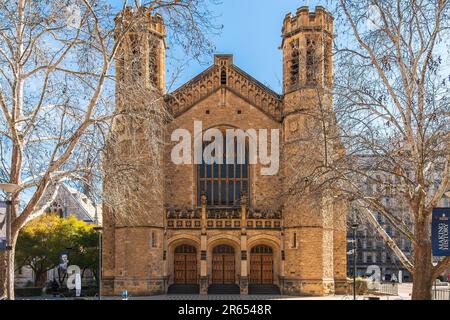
439	232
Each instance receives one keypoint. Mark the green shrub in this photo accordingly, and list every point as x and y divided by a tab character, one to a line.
85	292
28	292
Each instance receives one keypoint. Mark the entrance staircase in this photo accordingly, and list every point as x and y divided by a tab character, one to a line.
264	289
184	289
225	289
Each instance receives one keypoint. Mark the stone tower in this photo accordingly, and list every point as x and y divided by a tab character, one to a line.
133	205
308	212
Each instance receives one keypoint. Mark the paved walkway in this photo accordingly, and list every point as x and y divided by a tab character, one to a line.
184	297
254	297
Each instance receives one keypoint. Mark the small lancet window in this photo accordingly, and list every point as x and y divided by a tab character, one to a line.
294	240
223	77
153	61
295	62
154	240
120	66
136	68
311	63
327	62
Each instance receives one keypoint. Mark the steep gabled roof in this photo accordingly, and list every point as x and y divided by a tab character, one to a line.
237	81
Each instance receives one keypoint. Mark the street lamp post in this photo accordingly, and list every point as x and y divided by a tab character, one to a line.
99	230
8	188
354	228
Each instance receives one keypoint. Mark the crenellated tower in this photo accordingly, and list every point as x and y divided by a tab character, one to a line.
134	188
307	55
141	54
309	211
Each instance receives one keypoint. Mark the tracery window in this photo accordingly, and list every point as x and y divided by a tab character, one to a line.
223	183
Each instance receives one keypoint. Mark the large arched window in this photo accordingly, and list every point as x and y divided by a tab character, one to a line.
224	183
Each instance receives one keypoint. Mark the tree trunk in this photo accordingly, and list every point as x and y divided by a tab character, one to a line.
2	275
10	287
422	278
4	287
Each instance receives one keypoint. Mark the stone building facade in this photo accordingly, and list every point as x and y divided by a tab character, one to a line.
225	227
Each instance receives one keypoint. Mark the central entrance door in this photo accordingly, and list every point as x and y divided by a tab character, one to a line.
185	264
223	265
261	265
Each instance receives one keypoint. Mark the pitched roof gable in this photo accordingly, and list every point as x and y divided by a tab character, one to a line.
237	81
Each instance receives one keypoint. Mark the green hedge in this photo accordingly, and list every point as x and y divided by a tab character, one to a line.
85	292
28	292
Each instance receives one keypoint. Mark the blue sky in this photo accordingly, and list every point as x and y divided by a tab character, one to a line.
252	32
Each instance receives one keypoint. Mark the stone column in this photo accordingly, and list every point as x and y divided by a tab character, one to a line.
203	253
244	253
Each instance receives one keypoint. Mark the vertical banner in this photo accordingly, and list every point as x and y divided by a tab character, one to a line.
2	225
439	232
77	284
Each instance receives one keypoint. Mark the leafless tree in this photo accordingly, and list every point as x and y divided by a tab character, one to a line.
391	104
57	93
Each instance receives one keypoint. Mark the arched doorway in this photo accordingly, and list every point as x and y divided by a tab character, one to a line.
223	265
185	265
261	265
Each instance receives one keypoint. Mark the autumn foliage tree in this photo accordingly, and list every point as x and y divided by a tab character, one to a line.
43	240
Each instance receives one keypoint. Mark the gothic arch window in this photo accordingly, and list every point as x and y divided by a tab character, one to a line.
295	62
56	208
327	62
311	61
120	66
223	77
223	183
136	67
154	45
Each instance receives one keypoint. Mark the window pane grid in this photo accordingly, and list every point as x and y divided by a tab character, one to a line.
224	183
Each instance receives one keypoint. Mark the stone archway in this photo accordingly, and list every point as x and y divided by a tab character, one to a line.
182	262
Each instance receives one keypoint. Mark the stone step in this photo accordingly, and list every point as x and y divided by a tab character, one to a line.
224	289
184	289
264	289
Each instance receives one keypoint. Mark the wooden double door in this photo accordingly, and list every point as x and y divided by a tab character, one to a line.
185	265
223	265
261	265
